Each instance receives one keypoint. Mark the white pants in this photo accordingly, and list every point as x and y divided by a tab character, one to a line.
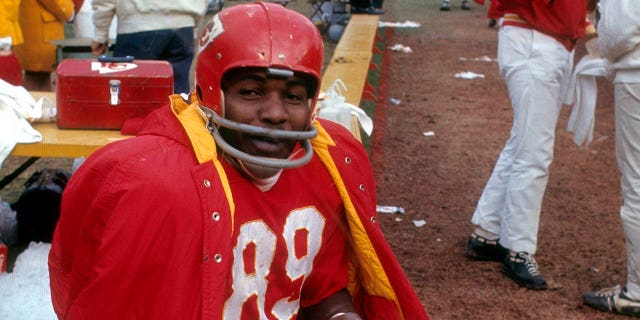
627	115
536	69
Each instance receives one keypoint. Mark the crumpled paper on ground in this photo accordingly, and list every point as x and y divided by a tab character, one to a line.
401	48
405	24
469	75
482	58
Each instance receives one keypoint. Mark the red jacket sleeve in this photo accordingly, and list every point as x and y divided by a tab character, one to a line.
358	178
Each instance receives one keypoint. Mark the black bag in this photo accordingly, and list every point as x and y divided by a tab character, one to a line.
38	208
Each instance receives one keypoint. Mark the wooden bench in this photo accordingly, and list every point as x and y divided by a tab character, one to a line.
351	60
64	143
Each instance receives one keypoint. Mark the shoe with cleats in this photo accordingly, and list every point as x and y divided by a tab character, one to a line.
522	268
480	248
613	300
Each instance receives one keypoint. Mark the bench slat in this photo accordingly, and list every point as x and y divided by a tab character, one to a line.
351	60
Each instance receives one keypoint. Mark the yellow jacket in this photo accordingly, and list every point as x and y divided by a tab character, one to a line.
42	21
9	26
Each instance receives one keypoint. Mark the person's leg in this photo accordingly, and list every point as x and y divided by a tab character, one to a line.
359	4
364	6
535	86
625	299
627	138
483	244
180	52
146	45
445	5
157	45
490	206
535	89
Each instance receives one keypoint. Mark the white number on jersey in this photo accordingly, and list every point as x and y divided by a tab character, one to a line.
258	234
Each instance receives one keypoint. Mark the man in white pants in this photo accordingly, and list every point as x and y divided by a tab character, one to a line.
619	42
535	57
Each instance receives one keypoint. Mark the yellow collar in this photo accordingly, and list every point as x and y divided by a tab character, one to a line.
195	126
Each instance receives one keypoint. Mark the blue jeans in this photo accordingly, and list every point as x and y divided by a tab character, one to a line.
173	45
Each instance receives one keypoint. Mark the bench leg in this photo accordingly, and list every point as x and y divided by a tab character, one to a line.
10	177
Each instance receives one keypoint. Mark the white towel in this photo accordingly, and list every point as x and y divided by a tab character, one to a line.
17	109
582	94
25	293
335	108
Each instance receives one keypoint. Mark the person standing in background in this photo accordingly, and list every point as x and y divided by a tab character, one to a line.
151	30
10	35
535	56
83	26
41	22
619	44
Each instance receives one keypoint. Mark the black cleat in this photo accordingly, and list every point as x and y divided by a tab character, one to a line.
613	300
479	248
522	268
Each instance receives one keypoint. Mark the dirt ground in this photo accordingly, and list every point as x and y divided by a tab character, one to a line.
439	178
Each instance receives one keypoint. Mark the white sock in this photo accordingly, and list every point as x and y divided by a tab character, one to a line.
486	234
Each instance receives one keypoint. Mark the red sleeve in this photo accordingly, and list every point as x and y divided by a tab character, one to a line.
116	234
360	183
495	10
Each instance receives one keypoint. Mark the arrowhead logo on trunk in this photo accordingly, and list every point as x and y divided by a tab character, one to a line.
111	67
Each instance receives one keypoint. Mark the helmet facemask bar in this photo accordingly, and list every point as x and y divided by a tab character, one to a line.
214	121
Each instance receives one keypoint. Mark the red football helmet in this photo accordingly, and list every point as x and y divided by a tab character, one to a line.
257	35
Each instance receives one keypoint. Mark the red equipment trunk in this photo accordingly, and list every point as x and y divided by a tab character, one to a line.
103	93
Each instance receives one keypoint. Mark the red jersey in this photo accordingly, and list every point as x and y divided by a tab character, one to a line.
284	239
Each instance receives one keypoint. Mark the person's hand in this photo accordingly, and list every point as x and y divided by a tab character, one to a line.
98	48
338	306
345	316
